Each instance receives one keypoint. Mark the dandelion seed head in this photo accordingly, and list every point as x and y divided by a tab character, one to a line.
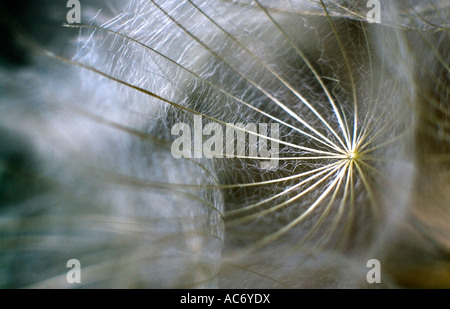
98	126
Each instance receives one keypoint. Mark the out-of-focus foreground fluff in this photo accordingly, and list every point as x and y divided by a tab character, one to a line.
87	171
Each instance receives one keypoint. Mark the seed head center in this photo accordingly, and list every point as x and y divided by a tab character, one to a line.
352	155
